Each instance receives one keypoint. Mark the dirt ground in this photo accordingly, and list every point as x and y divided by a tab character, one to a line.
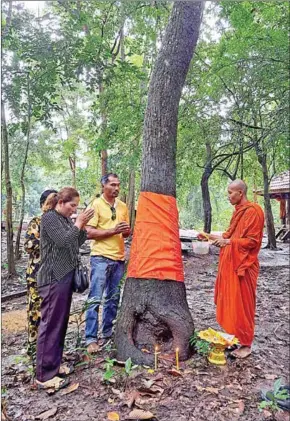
203	391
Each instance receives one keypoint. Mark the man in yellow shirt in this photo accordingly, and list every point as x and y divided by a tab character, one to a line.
107	229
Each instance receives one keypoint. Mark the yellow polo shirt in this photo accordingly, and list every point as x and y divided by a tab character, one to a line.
112	247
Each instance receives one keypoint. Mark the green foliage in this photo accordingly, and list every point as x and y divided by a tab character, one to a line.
278	394
26	361
129	367
81	73
3	392
109	372
201	346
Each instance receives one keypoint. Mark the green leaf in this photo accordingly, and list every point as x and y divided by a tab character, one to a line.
277	385
128	366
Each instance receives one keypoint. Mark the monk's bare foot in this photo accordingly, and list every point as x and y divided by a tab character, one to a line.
242	352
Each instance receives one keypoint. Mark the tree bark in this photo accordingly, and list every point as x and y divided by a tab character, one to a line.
207	209
18	237
155	311
262	159
131	198
9	223
72	164
104	153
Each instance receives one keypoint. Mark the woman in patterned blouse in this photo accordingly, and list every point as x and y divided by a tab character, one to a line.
31	246
60	240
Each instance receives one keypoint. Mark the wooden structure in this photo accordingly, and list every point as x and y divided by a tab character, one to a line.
279	189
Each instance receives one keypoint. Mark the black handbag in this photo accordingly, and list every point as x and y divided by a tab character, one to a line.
81	278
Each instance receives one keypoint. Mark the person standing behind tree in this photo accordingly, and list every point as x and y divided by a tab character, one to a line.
107	229
60	240
32	247
236	283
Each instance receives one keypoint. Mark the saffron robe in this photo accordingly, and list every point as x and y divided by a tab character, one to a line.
236	283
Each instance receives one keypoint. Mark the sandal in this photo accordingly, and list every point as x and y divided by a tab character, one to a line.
55	383
65	370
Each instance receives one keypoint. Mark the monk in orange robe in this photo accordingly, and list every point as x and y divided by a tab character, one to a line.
236	283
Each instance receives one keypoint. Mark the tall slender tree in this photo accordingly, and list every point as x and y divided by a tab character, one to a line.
154	310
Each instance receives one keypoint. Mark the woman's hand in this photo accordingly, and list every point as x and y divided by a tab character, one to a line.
84	217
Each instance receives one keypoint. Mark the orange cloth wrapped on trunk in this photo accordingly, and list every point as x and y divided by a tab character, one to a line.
156	248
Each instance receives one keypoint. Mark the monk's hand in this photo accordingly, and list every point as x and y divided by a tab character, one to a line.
222	242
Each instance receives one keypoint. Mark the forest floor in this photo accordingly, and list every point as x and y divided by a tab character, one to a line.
202	392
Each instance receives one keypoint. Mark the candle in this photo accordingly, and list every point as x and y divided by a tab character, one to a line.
156	357
177	358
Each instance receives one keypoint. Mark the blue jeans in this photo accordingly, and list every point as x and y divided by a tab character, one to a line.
106	275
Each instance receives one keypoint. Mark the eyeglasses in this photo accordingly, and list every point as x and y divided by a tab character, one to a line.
114	216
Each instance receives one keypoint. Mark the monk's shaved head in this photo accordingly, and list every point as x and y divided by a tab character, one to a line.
239	185
237	192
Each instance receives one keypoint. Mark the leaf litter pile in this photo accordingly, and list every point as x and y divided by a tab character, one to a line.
102	388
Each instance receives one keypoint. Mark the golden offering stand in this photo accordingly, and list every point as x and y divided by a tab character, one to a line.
219	342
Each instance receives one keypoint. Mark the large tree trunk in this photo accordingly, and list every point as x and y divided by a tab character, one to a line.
155	311
262	158
9	224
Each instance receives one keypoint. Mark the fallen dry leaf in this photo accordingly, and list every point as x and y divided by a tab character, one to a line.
131	399
148	383
139	414
113	416
99	360
174	373
267	414
270	376
47	414
118	393
4	416
240	409
282	416
158	377
153	390
70	388
209	389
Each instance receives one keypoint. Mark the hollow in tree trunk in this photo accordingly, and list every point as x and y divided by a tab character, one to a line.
156	311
